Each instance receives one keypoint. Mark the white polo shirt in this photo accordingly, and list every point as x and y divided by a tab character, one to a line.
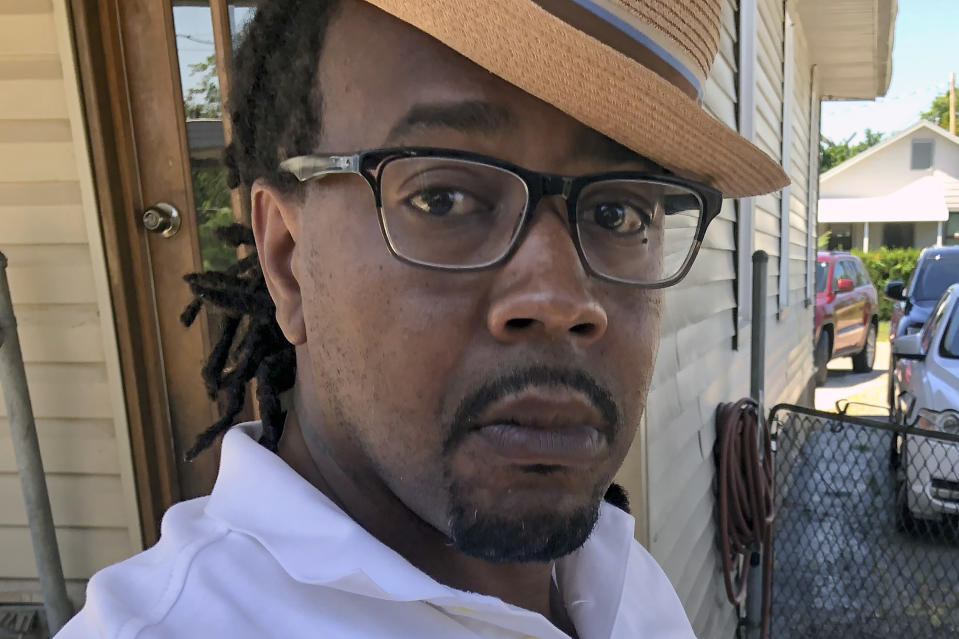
266	555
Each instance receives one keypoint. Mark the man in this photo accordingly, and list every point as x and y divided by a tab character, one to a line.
464	214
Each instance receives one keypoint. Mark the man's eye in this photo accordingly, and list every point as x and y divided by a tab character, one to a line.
620	217
440	202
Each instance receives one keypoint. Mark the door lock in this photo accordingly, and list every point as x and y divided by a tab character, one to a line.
162	219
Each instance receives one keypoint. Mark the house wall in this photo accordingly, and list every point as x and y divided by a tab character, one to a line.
925	234
704	350
50	234
888	170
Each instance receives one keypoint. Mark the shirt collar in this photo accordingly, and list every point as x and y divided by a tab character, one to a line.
258	494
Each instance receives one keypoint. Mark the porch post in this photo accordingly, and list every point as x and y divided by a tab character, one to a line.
865	237
26	452
939	234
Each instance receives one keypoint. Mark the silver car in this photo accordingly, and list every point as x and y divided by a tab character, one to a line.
927	380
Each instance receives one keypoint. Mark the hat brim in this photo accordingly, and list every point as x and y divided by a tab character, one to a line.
597	85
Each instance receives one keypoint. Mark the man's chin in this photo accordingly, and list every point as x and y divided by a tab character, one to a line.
521	537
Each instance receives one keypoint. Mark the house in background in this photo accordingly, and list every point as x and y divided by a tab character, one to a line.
93	132
903	192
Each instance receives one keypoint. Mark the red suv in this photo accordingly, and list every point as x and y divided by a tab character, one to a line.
847	313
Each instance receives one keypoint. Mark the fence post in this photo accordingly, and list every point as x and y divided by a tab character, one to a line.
757	389
26	450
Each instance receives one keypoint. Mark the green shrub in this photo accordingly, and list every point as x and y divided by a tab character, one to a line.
886	264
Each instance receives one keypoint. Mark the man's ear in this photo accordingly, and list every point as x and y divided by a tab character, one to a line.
275	219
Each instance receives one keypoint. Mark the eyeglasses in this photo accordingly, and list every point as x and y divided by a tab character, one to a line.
459	211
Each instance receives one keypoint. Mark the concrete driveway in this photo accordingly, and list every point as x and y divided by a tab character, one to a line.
866	388
843	569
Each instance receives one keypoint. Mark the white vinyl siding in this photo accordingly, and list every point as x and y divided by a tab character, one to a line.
789	333
698	367
768	115
785	200
691	377
58	284
798	209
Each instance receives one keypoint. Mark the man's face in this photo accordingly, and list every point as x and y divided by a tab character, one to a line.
497	405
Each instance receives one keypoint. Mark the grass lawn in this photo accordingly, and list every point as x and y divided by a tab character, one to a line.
883	335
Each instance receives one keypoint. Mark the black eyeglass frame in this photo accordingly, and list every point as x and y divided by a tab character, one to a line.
370	164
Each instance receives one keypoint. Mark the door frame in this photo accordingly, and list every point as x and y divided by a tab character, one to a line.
116	177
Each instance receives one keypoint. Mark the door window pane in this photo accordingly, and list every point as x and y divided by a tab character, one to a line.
240	15
193	23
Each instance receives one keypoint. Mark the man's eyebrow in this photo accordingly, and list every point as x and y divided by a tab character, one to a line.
472	116
594	145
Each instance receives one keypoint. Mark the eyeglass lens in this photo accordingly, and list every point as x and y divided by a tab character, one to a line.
449	212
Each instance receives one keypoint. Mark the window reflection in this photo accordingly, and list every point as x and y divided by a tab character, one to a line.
193	23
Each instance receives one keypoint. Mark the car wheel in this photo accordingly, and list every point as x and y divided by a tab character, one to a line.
822	358
905	522
863	360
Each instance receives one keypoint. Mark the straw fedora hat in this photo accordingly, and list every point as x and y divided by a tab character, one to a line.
635	70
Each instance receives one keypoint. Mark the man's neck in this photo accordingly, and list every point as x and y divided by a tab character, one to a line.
382	514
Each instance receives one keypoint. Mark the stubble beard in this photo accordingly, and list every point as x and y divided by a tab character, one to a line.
534	537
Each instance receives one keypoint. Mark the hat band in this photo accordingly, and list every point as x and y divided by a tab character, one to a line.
628	38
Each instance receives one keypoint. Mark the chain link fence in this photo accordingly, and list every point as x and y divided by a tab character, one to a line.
866	538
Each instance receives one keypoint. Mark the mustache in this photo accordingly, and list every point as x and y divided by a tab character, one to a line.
473	405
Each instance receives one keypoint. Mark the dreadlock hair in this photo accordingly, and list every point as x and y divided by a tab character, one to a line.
275	107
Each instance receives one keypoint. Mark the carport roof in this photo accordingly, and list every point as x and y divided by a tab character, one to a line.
919	201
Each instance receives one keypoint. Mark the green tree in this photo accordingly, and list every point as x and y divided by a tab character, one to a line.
938	111
212	199
822	242
833	153
211	196
885	264
203	100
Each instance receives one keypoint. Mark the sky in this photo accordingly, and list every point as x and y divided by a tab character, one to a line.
925	51
194	36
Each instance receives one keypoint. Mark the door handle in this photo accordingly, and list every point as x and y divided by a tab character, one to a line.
162	219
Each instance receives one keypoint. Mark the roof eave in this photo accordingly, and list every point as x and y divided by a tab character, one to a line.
850	42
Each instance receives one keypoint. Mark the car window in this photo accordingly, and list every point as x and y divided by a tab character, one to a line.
936	275
848	271
864	274
822	275
932	324
837	274
907	289
859	275
949	347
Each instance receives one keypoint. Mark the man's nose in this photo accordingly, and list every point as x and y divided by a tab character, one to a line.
543	290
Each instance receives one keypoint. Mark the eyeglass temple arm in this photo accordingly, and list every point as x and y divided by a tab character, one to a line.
308	167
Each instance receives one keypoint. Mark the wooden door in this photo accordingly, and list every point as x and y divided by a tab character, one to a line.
150	70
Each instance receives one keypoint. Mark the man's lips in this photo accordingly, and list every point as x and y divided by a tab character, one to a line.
553	426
